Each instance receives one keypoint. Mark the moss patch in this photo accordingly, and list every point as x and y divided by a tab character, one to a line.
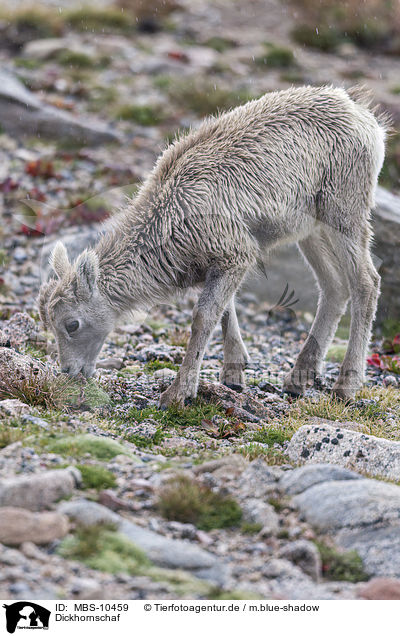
100	20
276	57
341	566
273	435
155	365
103	549
96	477
203	97
102	448
142	115
182	499
336	353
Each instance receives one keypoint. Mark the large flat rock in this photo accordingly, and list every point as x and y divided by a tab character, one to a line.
37	492
23	114
351	449
300	479
163	551
361	515
334	505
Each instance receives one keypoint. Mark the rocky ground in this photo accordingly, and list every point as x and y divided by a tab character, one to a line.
103	495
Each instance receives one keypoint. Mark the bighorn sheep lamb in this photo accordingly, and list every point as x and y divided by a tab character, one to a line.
299	165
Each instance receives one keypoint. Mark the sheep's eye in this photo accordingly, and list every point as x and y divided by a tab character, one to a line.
72	326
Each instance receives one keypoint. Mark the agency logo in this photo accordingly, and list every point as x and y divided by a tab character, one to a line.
26	615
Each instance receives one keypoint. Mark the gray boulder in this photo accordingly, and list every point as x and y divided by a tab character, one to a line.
163	551
305	555
296	481
18	525
38	491
260	512
350	449
363	515
334	505
23	114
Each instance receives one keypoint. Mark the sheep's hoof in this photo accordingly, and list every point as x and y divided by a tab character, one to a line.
297	381
345	395
233	378
239	388
174	395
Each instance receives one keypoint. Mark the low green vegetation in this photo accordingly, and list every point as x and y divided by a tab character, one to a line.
276	57
102	448
250	528
203	97
100	20
28	63
9	435
33	22
369	413
143	441
273	435
219	43
327	24
40	387
79	60
140	114
101	548
336	353
324	38
341	566
183	499
155	365
254	450
176	416
95	476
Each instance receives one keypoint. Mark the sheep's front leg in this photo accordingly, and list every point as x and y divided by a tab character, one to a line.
218	289
235	354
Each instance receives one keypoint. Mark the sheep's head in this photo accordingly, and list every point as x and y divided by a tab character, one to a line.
72	306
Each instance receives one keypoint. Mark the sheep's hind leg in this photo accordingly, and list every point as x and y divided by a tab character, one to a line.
364	282
218	289
320	252
235	354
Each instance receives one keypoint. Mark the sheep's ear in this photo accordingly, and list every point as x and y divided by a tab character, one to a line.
59	259
87	268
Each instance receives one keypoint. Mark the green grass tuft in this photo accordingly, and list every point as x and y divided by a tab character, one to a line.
96	477
276	57
336	353
142	115
341	566
183	499
101	548
155	365
102	448
100	20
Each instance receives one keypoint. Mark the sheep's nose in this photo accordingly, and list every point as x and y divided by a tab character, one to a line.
65	370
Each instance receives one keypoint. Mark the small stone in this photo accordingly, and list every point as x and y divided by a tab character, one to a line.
296	481
164	374
305	555
381	589
390	380
260	512
18	525
258	479
110	363
38	491
13	408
